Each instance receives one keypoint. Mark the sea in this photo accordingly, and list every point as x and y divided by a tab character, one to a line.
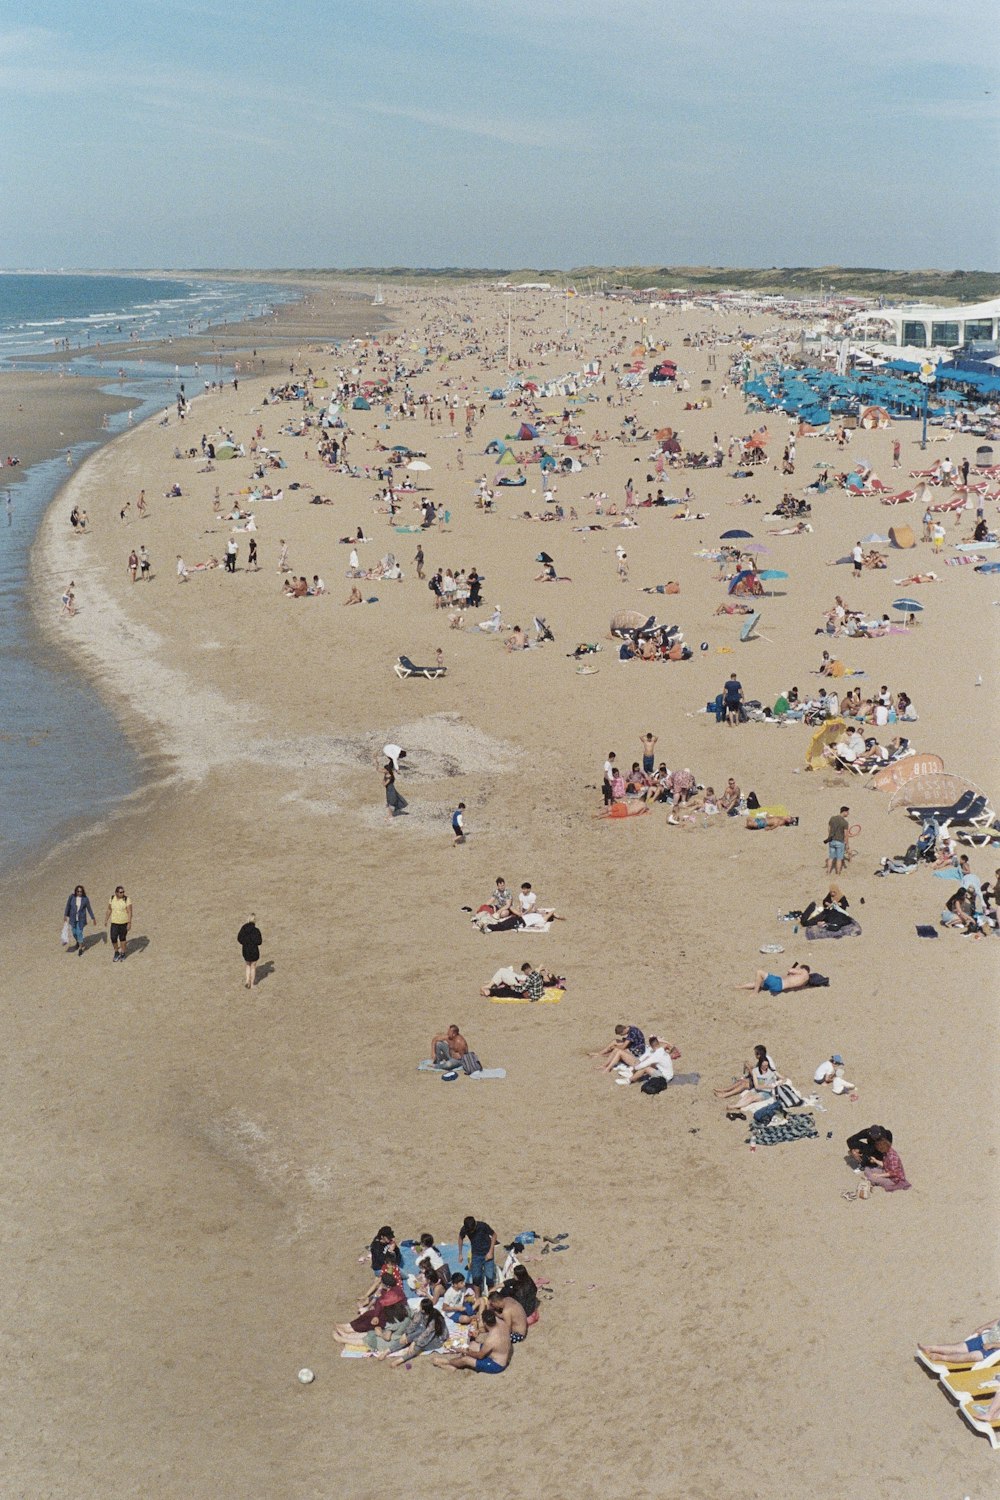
64	759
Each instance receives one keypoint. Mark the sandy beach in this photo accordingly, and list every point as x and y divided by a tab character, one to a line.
193	1171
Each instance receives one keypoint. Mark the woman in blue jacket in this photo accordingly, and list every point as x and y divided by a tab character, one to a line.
78	909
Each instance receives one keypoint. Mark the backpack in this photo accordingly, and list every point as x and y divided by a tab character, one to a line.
787	1096
818	982
653	1085
471	1063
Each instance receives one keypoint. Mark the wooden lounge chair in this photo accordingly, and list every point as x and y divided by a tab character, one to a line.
405	668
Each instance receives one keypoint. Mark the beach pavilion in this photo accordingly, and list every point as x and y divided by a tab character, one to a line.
921	327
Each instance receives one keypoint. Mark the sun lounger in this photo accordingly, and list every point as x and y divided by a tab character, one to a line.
406	668
972	1385
979	835
953	812
978	1423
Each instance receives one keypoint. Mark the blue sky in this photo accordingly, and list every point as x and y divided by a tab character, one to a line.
522	133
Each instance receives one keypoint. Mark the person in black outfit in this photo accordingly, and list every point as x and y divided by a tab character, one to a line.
861	1146
249	939
384	1243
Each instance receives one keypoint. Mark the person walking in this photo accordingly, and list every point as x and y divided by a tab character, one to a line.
78	909
458	824
250	940
395	803
119	915
231	551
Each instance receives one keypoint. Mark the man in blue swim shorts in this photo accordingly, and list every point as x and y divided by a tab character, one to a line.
487	1355
797	978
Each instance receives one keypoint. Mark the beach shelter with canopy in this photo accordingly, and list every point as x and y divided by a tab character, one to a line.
940	789
526	432
630	619
225	450
360	404
907	769
902	536
828	734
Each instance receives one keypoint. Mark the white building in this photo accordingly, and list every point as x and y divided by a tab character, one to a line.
919	327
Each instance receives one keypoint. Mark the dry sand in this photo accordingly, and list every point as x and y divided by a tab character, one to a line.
192	1173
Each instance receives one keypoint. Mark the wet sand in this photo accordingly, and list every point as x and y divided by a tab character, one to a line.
194	1171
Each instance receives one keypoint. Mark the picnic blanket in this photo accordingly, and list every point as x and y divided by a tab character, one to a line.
550	996
794	1128
850	929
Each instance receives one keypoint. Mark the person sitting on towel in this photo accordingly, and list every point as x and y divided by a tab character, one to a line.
448	1048
655	1062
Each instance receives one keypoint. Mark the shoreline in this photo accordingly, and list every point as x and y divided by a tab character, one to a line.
158	748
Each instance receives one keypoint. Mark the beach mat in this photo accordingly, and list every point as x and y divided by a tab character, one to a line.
795	1128
551	996
680	1078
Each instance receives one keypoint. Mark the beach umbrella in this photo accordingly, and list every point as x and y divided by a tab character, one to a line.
731	535
829	734
419	465
908	606
771	573
756	547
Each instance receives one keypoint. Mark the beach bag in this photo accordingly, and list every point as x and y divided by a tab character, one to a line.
818	982
787	1096
67	934
653	1085
471	1063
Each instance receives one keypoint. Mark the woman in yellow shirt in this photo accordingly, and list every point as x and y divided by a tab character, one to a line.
119	914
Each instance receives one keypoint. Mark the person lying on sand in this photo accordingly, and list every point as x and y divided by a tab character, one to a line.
797	978
759	819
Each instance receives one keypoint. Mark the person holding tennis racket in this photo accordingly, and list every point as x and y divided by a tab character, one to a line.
836	842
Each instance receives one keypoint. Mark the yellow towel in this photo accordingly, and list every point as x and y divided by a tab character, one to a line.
550	996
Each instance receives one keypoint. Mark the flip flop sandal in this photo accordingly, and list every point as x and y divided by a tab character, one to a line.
848	1194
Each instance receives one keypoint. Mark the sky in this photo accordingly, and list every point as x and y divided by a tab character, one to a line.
528	133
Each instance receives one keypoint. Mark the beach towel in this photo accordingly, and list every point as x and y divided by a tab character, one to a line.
797	1128
488	1073
682	1078
550	996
